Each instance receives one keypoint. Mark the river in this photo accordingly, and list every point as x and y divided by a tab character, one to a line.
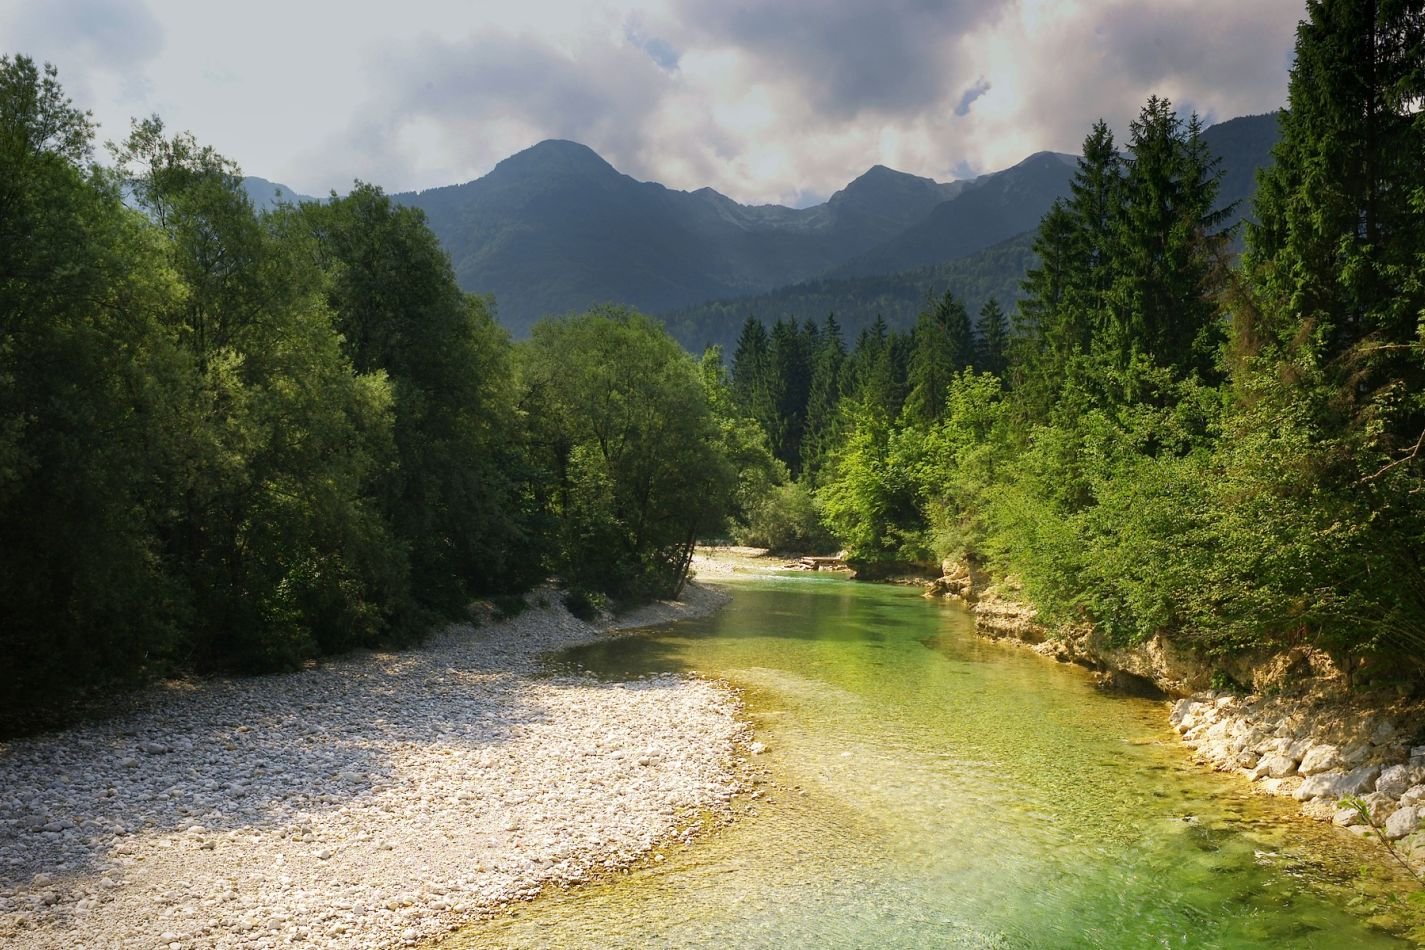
925	787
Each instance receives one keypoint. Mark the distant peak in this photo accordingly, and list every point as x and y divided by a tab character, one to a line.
556	154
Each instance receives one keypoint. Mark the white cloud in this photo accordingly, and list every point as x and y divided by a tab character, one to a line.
777	100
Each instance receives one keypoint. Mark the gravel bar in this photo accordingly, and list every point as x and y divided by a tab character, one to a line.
375	800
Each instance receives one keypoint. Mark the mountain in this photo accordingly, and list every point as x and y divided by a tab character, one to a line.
991	209
555	228
266	195
992	273
1242	145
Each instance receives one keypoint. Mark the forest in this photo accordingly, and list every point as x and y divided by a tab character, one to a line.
234	441
1171	439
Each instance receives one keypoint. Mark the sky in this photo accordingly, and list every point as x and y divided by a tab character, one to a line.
768	101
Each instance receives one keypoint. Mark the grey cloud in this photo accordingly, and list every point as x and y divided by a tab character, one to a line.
848	56
113	34
601	97
968	97
1148	47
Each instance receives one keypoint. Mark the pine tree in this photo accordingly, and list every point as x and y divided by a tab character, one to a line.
942	344
1340	243
824	398
993	344
1162	307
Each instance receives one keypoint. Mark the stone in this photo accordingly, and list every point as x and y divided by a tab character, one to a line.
1337	784
1384	733
1394	781
1180	710
1402	823
1355	753
1320	758
1346	817
1275	765
1415	795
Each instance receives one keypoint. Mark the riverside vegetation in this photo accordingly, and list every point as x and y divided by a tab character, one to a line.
1201	470
235	441
1165	441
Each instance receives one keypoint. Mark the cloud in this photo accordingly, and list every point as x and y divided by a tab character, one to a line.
115	34
455	108
846	58
968	97
765	100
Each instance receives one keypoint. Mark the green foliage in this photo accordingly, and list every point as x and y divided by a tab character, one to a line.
784	519
90	381
459	496
630	441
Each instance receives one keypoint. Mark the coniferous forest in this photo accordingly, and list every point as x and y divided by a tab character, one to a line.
233	440
1166	438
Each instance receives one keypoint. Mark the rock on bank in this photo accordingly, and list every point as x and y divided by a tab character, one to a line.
369	802
1319	745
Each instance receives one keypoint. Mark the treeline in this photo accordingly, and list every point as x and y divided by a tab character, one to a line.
234	441
1227	452
858	302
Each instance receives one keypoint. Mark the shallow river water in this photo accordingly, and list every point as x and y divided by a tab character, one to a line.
929	788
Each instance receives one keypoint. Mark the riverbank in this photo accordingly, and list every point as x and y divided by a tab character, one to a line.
372	801
1293	730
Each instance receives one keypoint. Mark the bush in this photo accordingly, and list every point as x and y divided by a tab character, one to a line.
785	520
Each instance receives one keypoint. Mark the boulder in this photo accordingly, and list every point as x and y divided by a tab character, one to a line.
1275	765
1402	823
1181	708
1414	795
1337	784
1320	758
1394	781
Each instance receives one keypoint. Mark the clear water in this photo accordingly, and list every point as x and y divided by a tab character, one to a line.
933	789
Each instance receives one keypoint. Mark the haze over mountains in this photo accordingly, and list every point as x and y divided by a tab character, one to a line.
555	228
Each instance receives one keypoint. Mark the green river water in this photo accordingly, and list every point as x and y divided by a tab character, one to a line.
925	787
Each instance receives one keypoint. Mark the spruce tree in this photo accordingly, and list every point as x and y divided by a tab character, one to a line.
1340	238
993	344
941	345
824	398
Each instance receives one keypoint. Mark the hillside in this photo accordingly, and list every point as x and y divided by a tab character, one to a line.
992	273
860	290
555	228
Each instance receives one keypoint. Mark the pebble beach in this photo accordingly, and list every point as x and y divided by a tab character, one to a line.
375	800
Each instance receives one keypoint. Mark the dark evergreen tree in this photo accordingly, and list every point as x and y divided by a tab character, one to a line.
1047	332
1340	241
789	358
992	347
941	345
824	398
1162	304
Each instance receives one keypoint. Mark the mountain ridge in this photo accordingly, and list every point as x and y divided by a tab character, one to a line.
555	228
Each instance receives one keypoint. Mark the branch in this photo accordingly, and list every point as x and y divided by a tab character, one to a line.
1409	457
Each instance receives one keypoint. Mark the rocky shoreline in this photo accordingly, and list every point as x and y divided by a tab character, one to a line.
376	800
1315	743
